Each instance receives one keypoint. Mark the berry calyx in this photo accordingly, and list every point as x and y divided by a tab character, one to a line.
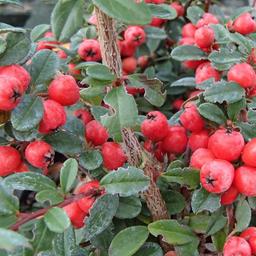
89	50
155	127
217	176
39	154
96	133
10	160
236	245
110	149
226	144
200	157
135	35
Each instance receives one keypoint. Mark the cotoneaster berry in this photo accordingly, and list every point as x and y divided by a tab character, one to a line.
47	44
206	20
176	140
62	54
204	37
143	61
187	41
10	92
155	1
96	133
217	175
226	144
129	65
236	246
126	49
84	115
248	233
188	30
198	140
252	243
179	8
229	196
10	160
191	119
113	155
243	74
18	72
72	69
205	71
244	24
53	118
245	180
200	157
192	64
177	104
39	154
249	153
155	127
135	35
89	50
64	90
157	22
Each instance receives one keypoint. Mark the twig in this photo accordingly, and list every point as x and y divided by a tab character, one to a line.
26	217
254	3
207	5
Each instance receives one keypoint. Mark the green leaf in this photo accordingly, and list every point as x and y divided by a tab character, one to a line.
163	11
91	160
65	142
189	249
125	112
44	66
186	176
103	240
247	130
219	240
199	223
17	2
194	14
122	244
252	202
29	181
243	215
150	249
39	31
125	182
67	18
129	207
100	72
239	11
188	52
128	12
101	215
93	94
172	232
212	113
217	222
3	45
203	200
11	240
68	174
18	47
28	114
228	92
51	196
234	109
221	34
184	82
154	33
57	220
9	204
175	201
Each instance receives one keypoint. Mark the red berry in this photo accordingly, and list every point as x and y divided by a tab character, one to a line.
177	104
249	153
96	133
10	92
75	214
207	19
113	155
200	157
10	160
86	203
192	64
236	246
135	35
179	8
89	50
248	233
84	115
22	168
205	71
126	49
157	22
155	127
143	61
39	154
229	196
62	54
188	30
155	1
244	24
176	140
226	145
129	65
198	140
159	153
243	74
252	243
217	175
72	69
245	180
187	41
64	90
204	37
191	119
54	116
48	44
18	72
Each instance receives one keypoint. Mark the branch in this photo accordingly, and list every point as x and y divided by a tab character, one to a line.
26	217
207	5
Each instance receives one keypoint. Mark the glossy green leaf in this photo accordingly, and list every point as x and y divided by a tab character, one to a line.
194	14
39	31
163	11
188	52
174	200
100	72
150	249
243	215
51	196
184	82
91	160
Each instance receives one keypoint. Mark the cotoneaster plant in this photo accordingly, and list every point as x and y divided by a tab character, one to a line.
129	129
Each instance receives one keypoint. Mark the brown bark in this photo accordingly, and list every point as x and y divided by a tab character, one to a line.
136	155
